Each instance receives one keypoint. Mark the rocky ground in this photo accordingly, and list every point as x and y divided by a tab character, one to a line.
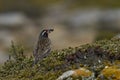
96	61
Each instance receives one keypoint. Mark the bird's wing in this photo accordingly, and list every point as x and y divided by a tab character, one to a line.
42	49
45	53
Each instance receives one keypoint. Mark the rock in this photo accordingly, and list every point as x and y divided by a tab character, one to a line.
78	73
66	74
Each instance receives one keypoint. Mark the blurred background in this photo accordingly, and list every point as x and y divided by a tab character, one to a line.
76	22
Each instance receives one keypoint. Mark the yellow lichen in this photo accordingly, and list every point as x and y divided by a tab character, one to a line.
117	62
82	72
112	72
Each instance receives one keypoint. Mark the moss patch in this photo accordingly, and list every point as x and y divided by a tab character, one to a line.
94	57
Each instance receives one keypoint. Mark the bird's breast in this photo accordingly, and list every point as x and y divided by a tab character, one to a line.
44	44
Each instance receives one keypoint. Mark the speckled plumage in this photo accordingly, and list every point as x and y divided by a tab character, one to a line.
42	48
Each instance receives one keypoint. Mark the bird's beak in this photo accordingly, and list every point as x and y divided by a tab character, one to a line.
50	30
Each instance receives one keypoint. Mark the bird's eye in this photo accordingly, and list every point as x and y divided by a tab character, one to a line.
44	32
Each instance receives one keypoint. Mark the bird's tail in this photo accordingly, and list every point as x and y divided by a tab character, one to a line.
35	61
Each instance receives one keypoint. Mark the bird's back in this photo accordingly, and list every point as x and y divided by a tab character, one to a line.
42	48
43	45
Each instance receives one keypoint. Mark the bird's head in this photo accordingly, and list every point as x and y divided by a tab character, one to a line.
46	32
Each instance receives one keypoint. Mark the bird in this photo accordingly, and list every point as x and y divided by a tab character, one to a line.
43	46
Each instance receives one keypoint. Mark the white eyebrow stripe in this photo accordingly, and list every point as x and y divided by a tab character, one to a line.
43	33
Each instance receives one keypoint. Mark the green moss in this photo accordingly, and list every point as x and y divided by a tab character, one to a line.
20	67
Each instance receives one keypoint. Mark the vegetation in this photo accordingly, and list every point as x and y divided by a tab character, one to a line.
94	57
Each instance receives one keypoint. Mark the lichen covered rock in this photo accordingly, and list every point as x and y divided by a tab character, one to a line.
77	73
110	73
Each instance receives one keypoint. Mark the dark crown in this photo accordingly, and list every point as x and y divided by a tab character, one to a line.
45	32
